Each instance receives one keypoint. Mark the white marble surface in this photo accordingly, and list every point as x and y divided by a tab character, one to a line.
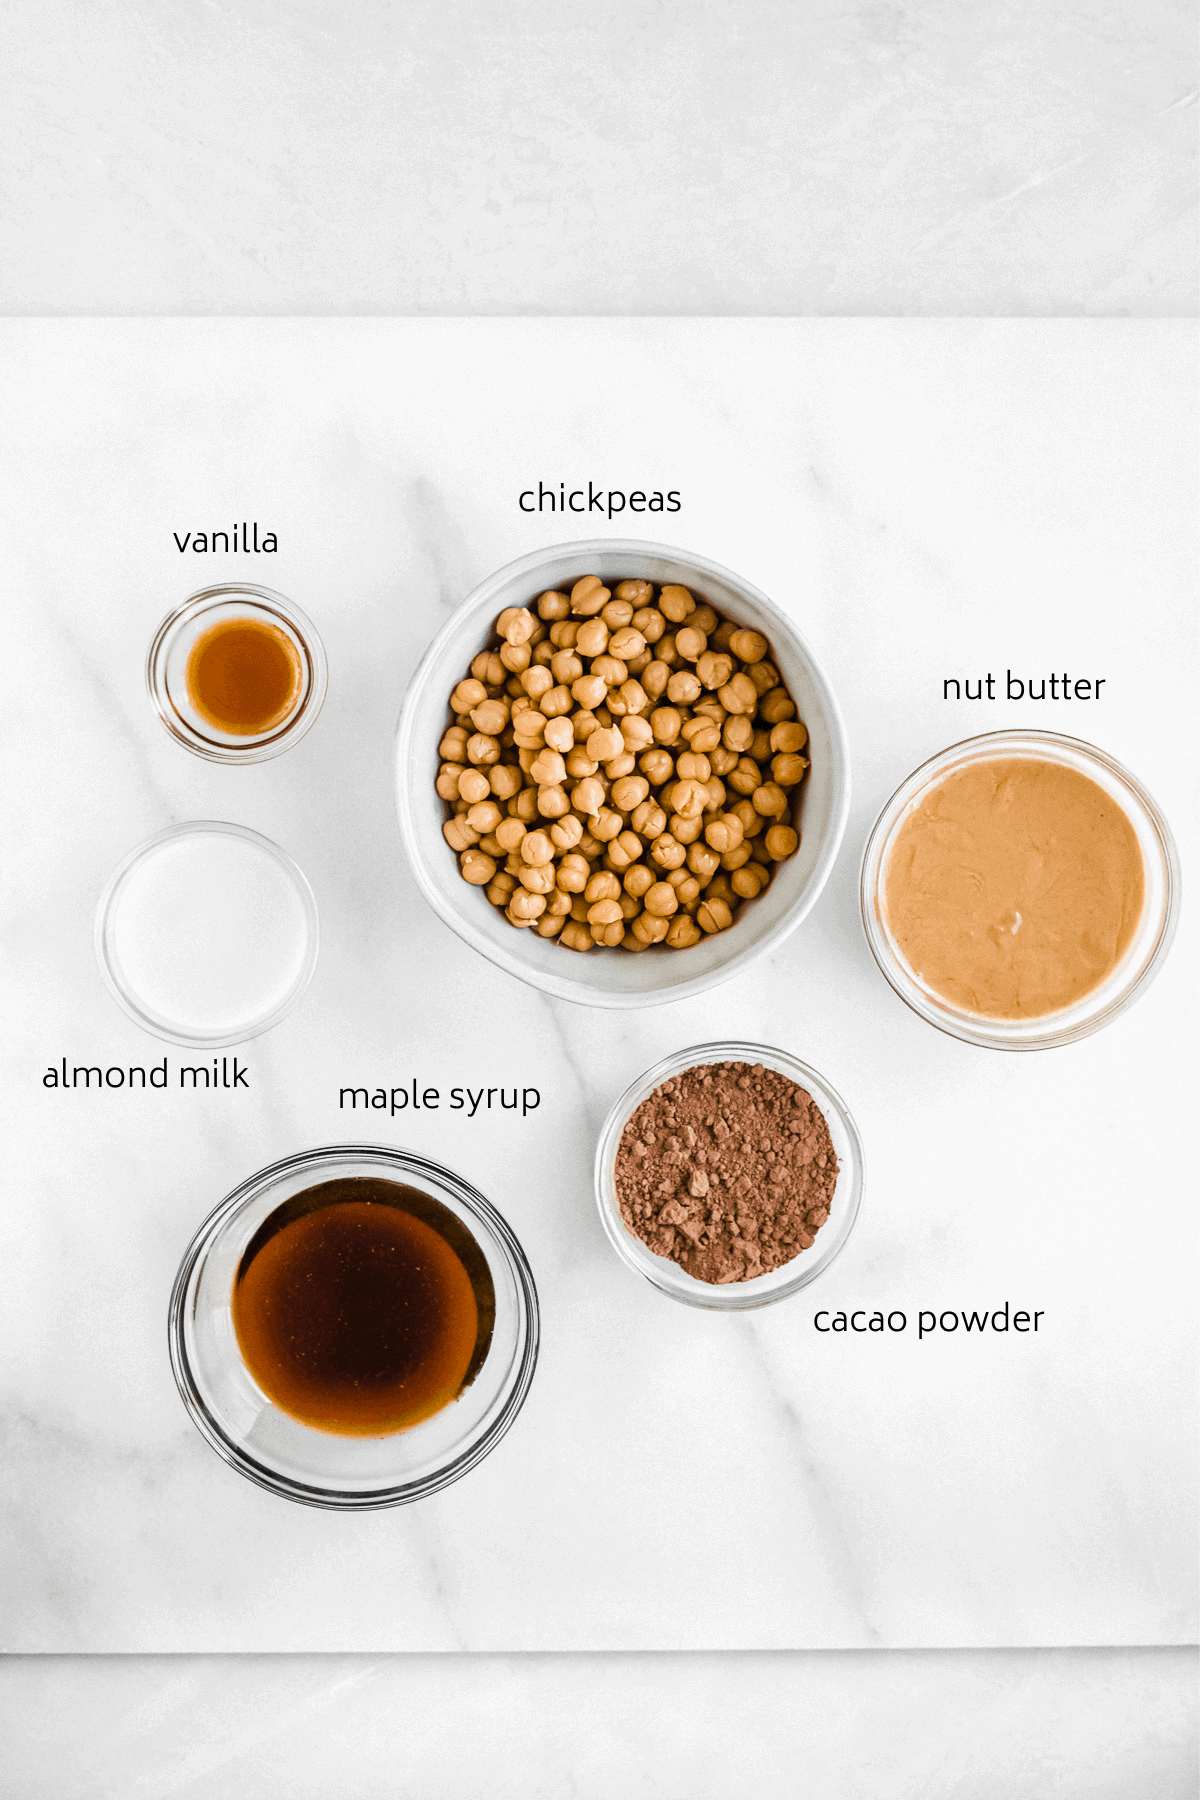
886	156
838	1725
926	498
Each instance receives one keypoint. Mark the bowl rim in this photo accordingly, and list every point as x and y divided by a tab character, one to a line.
977	1029
393	1157
544	978
125	998
732	1298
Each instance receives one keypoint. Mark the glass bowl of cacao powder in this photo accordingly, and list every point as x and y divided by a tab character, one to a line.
729	1175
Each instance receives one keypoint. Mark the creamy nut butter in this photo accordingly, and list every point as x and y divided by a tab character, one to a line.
1014	887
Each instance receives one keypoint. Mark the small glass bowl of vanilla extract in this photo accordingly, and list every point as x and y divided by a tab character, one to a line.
237	674
354	1327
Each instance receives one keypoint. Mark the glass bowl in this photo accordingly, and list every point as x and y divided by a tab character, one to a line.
166	672
322	1468
236	1021
614	978
790	1277
1143	958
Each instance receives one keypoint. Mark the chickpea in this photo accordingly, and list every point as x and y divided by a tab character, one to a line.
770	800
602	744
638	880
714	670
692	766
476	868
787	769
629	792
745	777
515	624
566	832
491	846
625	849
536	849
689	798
716	794
667	852
537	881
510	832
777	705
626	643
488	668
723	833
592	638
603	885
590	846
548	767
589	595
449	780
685	831
576	937
675	603
666	723
501	889
748	646
536	681
737	733
484	816
526	905
516	657
752	821
749	881
649	820
579	763
661	900
638	734
605	911
552	802
658	765
654	678
503	779
782	842
555	703
683	687
739	695
553	605
491	717
525	805
702	861
589	690
650	928
588	795
549	925
573	874
566	667
559	733
459	835
558	902
617	766
714	915
607	825
453	747
529	728
760	747
633	697
611	933
683	933
467	695
764	676
722	760
788	737
734	859
650	622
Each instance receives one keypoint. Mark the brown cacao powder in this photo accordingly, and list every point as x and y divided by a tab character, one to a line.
728	1169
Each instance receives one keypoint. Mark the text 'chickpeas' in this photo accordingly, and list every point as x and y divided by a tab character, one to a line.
621	767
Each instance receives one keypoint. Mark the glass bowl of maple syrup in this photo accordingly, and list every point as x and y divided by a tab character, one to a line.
237	674
354	1327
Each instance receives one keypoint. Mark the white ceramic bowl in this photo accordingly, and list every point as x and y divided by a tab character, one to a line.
613	977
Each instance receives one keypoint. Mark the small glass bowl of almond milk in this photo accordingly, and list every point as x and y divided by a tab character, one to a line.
207	934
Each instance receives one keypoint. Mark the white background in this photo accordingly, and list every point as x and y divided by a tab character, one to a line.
908	157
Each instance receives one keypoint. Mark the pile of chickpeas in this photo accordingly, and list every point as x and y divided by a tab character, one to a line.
622	767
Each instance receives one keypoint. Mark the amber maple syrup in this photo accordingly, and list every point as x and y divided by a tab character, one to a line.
244	675
363	1306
